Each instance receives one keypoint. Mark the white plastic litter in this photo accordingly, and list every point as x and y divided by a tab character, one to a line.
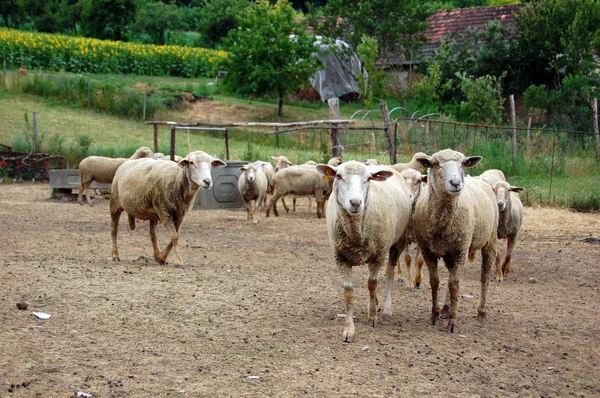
84	394
254	377
41	315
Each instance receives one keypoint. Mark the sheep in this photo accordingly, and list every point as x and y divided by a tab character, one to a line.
413	164
148	189
266	168
281	162
252	185
300	180
492	176
510	210
415	180
371	162
367	222
102	170
159	156
454	217
334	161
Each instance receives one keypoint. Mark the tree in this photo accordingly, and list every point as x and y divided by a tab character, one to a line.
263	56
106	19
397	25
156	18
218	17
10	12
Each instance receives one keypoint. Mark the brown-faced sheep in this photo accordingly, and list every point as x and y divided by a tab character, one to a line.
454	217
367	221
413	164
149	189
510	219
102	170
252	185
415	180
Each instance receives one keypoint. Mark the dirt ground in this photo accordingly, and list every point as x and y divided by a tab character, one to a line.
255	312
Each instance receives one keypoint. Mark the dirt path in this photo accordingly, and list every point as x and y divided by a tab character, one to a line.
254	313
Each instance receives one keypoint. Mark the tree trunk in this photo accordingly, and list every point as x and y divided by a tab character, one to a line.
280	108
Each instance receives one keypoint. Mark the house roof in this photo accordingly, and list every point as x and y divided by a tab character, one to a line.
451	24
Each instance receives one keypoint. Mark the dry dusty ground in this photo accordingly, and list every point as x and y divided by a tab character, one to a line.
254	312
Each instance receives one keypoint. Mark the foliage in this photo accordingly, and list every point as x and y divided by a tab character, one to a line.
56	52
263	56
106	19
156	18
371	85
397	25
483	97
218	17
429	89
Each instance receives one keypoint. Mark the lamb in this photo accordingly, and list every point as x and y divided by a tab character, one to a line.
300	180
492	176
454	217
510	210
102	170
413	164
148	189
252	185
367	222
415	180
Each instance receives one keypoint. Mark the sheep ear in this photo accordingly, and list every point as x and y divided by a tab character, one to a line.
381	175
424	162
218	163
326	170
516	189
472	161
273	157
424	179
183	162
242	169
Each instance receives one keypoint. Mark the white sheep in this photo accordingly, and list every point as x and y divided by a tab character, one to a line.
269	171
334	161
454	217
367	221
300	180
148	189
159	156
252	185
413	164
492	176
281	162
415	180
102	170
510	210
371	162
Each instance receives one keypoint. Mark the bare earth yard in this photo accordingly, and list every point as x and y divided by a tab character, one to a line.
255	312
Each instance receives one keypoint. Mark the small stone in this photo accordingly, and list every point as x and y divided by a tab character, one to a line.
22	305
532	280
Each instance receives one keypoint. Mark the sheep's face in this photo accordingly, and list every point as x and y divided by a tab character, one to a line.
199	165
414	180
446	170
371	162
249	172
351	183
502	189
281	162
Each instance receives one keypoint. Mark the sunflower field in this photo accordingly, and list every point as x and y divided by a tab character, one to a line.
84	55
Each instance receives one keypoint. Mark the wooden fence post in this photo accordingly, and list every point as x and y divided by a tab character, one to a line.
513	120
529	136
172	152
144	111
596	128
386	129
336	141
36	142
155	133
41	85
89	93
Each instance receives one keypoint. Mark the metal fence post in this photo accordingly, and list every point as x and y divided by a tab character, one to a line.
226	144
513	120
155	133
36	143
172	151
552	166
596	128
89	93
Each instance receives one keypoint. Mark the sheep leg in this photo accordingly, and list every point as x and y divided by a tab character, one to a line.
510	244
488	254
273	205
346	271
321	208
499	273
399	272
85	188
434	281
115	215
154	239
389	277
419	277
285	206
248	212
173	244
372	285
254	210
310	203
453	286
294	204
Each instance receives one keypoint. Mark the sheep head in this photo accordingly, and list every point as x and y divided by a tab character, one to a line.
351	183
281	162
249	172
198	165
414	180
446	170
502	190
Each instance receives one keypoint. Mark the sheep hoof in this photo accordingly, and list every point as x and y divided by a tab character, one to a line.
116	259
386	317
418	286
452	328
180	266
400	280
349	339
481	316
445	312
435	322
255	222
160	262
499	280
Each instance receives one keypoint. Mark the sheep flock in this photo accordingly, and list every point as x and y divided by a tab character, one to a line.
373	213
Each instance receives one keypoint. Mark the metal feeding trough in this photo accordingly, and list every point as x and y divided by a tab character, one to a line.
224	193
